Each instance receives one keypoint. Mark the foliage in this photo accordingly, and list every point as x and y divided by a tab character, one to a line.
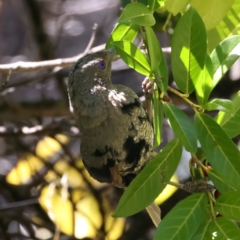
198	64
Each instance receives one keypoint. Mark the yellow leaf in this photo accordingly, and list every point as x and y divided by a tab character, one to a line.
167	192
47	147
26	167
60	210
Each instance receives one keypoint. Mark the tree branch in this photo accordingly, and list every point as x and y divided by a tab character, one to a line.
50	64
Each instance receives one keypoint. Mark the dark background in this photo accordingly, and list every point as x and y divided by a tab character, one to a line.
35	104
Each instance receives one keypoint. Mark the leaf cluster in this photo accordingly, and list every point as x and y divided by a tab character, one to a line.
196	68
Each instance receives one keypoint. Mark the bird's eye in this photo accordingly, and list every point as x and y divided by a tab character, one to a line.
102	65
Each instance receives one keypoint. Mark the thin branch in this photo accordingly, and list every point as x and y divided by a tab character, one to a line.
50	64
92	39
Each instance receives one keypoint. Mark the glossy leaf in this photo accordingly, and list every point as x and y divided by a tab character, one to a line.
220	151
204	85
137	13
189	48
230	25
183	220
182	127
224	105
228	204
219	183
230	121
153	48
223	57
150	181
123	32
157	119
133	57
176	6
212	11
223	228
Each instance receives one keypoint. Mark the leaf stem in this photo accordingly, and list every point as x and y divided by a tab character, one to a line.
185	98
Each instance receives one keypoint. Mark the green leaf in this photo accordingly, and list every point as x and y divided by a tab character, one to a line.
224	105
223	228
202	232
133	57
219	183
153	48
189	49
155	4
230	25
157	119
220	151
137	13
123	32
150	181
223	57
228	204
183	220
230	122
176	6
161	74
182	127
212	11
204	85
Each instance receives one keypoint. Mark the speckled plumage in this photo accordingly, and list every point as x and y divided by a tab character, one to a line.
116	135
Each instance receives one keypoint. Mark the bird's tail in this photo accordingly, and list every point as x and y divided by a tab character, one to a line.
154	212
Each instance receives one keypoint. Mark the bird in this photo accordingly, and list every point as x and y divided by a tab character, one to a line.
116	132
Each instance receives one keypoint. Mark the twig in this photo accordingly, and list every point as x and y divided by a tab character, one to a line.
92	39
50	64
7	80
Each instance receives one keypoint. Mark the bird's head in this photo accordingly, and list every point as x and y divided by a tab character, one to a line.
92	70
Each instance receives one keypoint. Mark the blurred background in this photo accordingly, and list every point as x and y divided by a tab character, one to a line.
45	192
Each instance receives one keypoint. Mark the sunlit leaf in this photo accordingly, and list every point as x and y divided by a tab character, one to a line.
150	181
212	11
230	121
228	204
224	105
123	32
133	57
220	151
204	85
223	57
182	127
157	118
183	220
137	13
189	48
176	6
230	25
222	228
153	48
155	4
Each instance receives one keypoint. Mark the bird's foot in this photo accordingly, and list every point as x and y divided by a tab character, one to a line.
116	177
147	87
